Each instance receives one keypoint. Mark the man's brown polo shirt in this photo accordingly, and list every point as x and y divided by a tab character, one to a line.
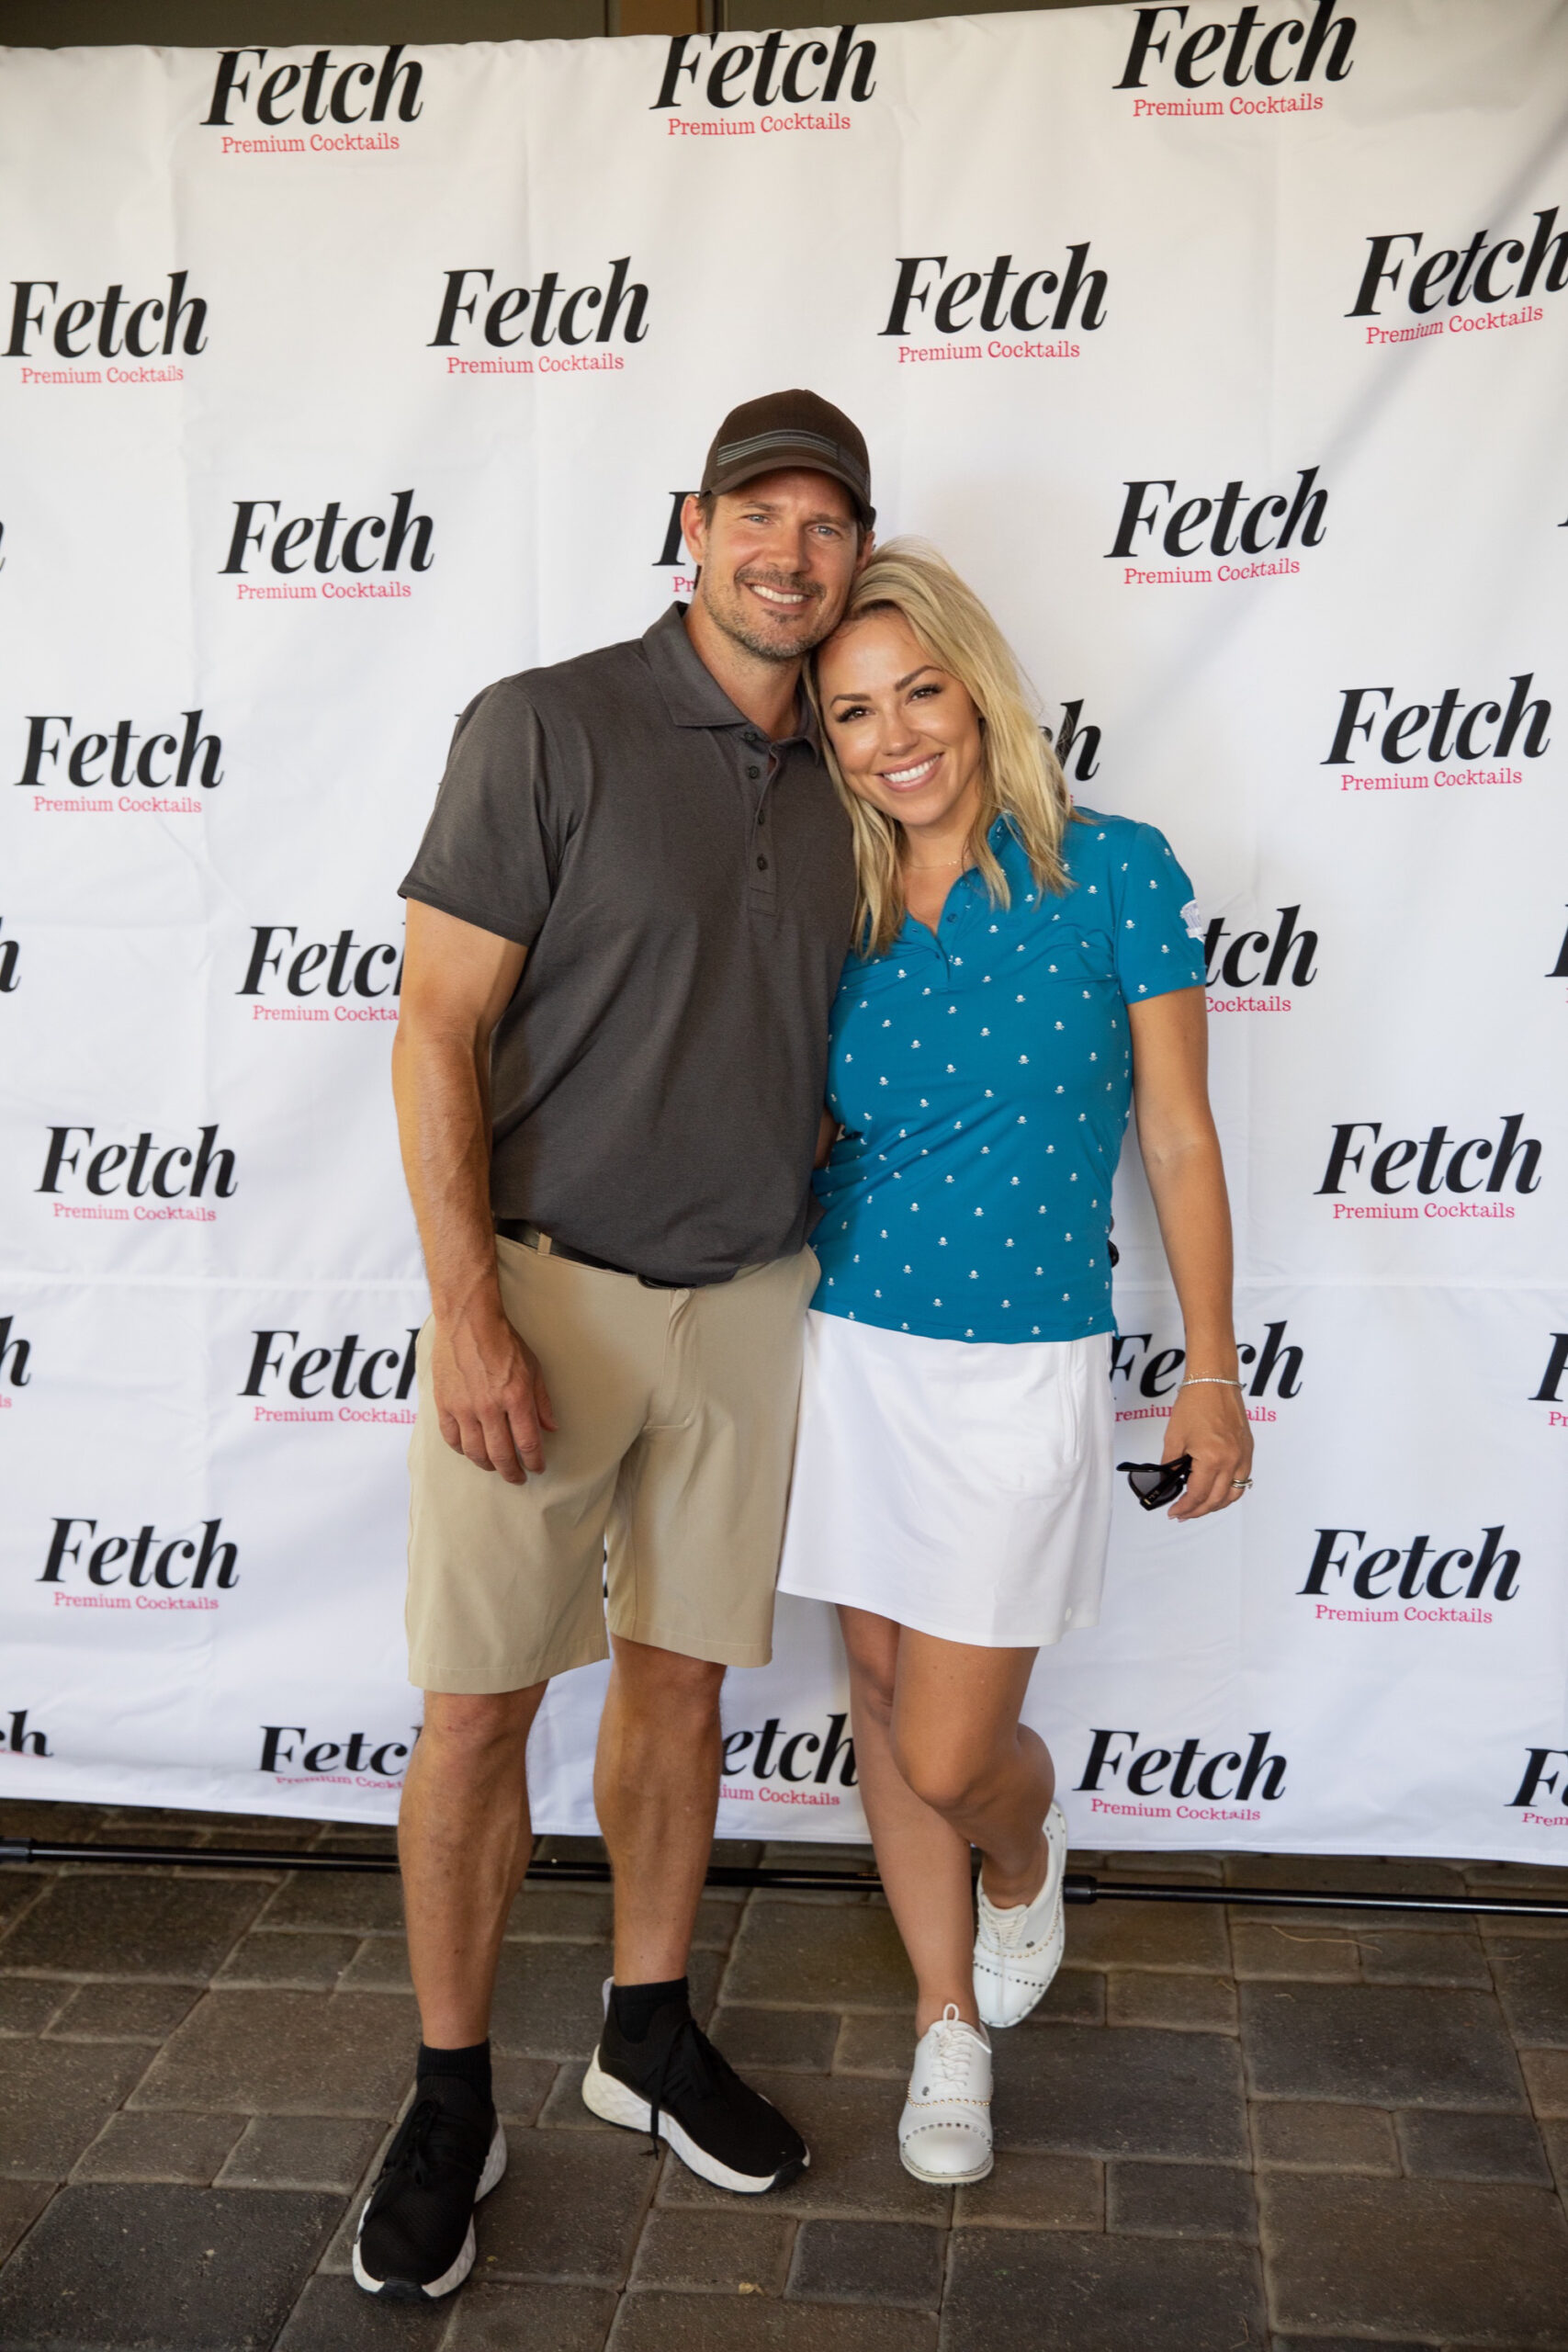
685	890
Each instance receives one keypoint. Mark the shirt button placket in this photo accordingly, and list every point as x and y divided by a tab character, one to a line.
761	893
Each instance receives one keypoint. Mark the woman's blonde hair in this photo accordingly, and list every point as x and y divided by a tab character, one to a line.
1020	777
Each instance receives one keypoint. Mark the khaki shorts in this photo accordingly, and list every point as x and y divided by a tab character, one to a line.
661	1506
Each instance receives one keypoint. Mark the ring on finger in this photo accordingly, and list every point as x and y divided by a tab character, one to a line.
1241	1483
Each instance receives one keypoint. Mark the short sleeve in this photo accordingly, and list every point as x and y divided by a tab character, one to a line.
486	855
1159	932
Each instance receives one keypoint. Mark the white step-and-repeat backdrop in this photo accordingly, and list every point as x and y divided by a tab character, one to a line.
1227	358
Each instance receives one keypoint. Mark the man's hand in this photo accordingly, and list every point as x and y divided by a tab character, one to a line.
490	1399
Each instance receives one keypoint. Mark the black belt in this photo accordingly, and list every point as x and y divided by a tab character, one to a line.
517	1228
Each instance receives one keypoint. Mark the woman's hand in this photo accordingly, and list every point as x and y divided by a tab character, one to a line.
1210	1423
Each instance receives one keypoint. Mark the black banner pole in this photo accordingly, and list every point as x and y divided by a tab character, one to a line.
548	1870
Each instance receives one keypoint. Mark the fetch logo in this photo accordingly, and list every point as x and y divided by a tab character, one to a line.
1182	522
232	87
1143	1770
277	957
1326	40
10	956
1157	1370
280	541
219	1560
799	1757
151	767
1371	1576
302	1372
1270	954
853	62
1481	273
1363	710
506	316
337	1757
122	327
947	303
1443	1162
134	1167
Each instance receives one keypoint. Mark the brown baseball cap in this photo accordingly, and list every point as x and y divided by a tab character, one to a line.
796	428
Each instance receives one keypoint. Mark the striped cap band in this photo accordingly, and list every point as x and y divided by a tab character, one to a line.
736	452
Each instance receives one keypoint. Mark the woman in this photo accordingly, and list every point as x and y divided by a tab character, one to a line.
1023	973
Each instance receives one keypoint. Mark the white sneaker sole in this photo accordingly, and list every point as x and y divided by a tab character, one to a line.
495	2164
995	1977
945	2179
610	2100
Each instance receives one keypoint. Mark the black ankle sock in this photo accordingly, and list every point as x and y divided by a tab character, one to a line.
634	2006
470	2066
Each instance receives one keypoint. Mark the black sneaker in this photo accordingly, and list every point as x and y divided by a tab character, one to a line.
675	2086
416	2233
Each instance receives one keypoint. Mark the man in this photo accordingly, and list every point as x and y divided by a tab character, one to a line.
627	921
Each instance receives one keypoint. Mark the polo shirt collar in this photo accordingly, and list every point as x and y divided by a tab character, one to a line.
692	695
974	900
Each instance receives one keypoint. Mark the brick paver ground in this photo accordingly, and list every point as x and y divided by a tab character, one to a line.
1228	2130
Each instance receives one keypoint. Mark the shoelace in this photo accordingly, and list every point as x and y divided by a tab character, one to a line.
1007	1925
690	2063
415	2152
952	2056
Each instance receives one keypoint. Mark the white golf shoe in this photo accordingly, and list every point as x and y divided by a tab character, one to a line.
945	2133
1019	1950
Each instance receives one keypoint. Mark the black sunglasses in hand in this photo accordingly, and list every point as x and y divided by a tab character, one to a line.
1156	1482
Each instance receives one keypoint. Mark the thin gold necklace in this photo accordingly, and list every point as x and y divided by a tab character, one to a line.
942	865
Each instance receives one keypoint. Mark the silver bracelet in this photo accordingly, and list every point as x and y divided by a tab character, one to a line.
1212	1380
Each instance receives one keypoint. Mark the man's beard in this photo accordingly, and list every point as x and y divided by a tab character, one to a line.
808	629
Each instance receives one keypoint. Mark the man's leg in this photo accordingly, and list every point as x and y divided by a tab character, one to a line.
656	1791
463	1841
506	1590
505	1586
693	1547
694	1551
656	1788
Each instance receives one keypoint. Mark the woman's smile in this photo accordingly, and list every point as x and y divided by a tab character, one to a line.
910	779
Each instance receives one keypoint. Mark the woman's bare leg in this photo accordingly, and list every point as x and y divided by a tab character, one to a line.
943	1764
959	1744
924	1863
